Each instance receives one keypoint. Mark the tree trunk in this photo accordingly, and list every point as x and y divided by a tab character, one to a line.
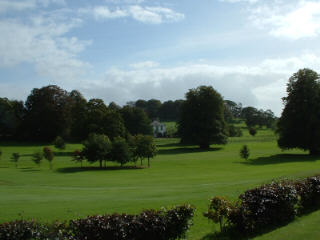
100	163
141	161
148	162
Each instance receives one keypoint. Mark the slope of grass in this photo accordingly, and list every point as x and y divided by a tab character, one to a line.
178	174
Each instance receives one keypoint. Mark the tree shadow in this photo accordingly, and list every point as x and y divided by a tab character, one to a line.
63	154
281	158
184	150
91	169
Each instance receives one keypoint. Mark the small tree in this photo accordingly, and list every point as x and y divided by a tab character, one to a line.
120	151
48	154
252	131
97	148
15	158
59	143
219	210
37	158
146	147
244	152
77	156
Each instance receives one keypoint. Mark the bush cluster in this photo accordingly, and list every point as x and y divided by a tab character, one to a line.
309	193
268	206
149	224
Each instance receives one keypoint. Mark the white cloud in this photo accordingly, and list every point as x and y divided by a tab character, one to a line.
13	5
261	85
42	43
46	3
155	15
146	64
9	5
152	15
102	12
237	1
294	20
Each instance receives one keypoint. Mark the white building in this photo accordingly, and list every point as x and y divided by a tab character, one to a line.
159	129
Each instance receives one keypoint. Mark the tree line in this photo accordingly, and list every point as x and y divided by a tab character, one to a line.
51	111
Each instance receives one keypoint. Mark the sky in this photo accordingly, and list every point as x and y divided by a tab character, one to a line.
125	50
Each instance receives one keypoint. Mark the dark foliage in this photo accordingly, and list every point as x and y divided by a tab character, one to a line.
202	118
120	151
252	131
59	143
97	148
150	224
299	124
309	192
266	206
234	131
136	120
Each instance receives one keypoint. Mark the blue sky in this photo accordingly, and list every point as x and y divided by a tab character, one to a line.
124	50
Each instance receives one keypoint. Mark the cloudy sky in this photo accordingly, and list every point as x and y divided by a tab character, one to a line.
124	50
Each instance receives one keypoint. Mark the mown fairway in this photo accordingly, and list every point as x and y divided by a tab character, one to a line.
179	174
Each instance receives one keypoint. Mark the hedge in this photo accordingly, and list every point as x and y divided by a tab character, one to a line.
150	224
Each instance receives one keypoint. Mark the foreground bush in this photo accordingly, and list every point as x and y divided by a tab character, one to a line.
309	192
266	206
150	224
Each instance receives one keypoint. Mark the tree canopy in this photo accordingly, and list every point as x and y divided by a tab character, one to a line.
299	124
201	118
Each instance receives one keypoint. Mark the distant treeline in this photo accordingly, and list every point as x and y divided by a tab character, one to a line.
51	111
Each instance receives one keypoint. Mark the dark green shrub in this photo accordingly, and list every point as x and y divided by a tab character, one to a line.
234	131
244	152
309	193
266	206
252	131
59	143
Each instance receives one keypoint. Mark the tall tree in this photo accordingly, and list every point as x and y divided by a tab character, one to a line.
47	113
78	111
136	120
201	120
104	120
11	117
299	124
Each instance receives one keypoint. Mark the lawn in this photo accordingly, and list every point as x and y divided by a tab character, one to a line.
178	174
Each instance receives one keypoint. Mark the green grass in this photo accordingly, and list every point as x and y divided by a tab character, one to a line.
179	174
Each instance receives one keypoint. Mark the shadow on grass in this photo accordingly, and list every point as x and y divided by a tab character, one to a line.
281	158
233	234
183	150
63	154
87	169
